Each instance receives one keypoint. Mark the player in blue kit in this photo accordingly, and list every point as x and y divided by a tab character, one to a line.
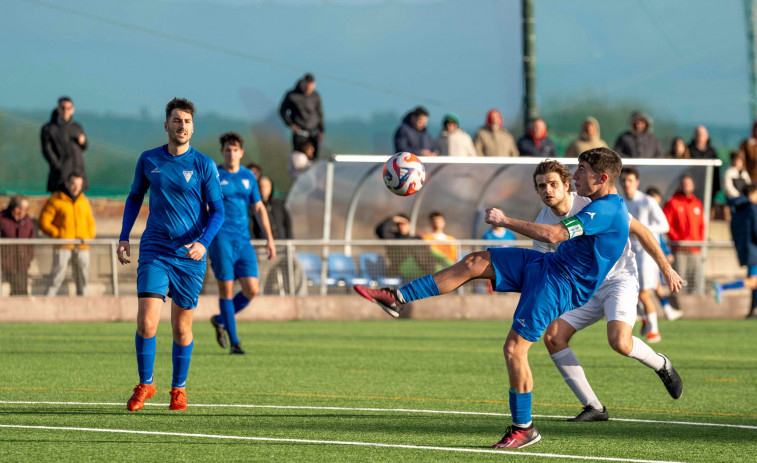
186	211
550	283
231	255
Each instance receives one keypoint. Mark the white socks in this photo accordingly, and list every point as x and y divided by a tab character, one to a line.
644	354
652	322
573	374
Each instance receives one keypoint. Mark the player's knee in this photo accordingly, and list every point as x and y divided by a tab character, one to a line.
554	341
475	263
510	351
251	292
146	330
621	344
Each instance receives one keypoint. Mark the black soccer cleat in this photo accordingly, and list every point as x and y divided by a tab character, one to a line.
670	378
387	298
220	332
516	438
590	413
236	349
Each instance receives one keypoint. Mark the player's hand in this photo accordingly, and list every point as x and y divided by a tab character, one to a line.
495	216
196	250
673	280
123	248
271	250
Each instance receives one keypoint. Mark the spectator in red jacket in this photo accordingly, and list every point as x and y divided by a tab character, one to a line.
685	214
16	223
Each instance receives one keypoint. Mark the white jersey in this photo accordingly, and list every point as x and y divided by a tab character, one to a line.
625	266
646	210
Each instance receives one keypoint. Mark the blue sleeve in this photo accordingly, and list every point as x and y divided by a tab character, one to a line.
664	246
134	202
254	190
211	186
597	217
215	220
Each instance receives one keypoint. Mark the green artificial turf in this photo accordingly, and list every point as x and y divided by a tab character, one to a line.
398	366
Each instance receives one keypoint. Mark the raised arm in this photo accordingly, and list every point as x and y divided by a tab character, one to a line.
535	231
649	242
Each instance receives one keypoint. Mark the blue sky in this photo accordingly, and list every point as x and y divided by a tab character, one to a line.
685	59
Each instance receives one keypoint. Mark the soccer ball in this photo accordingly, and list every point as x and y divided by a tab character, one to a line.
404	174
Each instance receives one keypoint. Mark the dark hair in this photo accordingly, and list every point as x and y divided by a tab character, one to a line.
65	98
603	161
300	146
74	174
630	171
232	138
686	153
736	155
254	165
16	201
181	104
550	165
420	111
435	214
309	78
652	191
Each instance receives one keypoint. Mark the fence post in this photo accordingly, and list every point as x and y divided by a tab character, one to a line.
290	266
114	267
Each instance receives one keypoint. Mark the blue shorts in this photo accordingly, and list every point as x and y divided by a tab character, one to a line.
232	259
544	296
752	270
182	277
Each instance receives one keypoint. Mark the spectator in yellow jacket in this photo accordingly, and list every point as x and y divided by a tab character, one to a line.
67	214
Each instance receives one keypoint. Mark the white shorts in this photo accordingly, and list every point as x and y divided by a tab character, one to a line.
615	300
649	273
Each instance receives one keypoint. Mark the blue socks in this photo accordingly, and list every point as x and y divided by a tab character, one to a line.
733	285
145	357
181	357
664	301
520	408
240	302
229	322
419	289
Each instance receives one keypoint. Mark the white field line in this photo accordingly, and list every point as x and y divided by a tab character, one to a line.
397	410
332	442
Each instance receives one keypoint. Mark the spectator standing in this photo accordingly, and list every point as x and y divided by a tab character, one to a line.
736	177
302	111
412	137
685	215
493	139
278	216
301	159
678	149
536	142
63	142
700	148
454	141
639	142
588	139
67	214
16	223
748	148
443	255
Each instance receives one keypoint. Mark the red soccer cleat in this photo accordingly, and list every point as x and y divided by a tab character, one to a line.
516	438
141	393
178	399
387	298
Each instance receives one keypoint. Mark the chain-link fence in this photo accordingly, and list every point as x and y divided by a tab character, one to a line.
41	267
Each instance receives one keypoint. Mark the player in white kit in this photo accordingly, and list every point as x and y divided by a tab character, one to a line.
646	210
615	299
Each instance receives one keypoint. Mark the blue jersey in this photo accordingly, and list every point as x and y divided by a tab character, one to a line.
180	189
598	236
508	236
240	189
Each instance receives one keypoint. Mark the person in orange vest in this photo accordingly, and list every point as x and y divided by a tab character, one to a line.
444	255
67	214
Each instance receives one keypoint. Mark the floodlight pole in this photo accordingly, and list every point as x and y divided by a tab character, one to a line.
530	110
749	15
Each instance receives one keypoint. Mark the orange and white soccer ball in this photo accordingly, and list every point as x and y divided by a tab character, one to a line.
404	174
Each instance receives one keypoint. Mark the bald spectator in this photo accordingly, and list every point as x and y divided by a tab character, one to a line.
639	142
701	148
536	142
493	139
16	259
588	139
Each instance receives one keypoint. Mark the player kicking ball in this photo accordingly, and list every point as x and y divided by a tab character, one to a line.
615	299
550	283
186	211
231	254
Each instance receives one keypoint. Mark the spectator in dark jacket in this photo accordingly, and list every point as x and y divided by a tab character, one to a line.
535	142
63	142
700	148
278	216
412	136
744	233
405	261
16	223
302	111
639	141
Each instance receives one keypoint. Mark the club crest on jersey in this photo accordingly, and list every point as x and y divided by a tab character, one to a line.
224	182
246	183
188	174
155	171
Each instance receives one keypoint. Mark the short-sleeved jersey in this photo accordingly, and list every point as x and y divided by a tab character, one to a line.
180	189
240	189
599	234
646	210
625	267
